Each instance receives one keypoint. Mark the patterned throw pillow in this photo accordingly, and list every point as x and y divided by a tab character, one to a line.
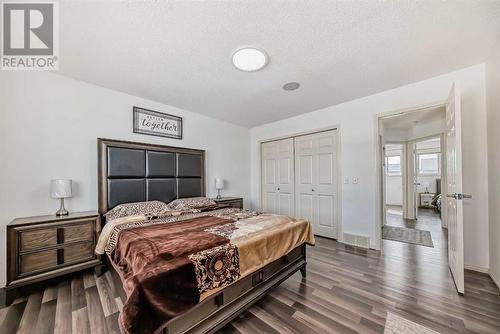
190	203
149	208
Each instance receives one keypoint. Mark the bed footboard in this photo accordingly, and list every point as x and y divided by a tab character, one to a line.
219	309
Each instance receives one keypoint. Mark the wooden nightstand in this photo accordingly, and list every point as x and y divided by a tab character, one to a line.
43	247
235	202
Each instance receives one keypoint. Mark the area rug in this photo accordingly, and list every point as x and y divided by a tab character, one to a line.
408	235
395	324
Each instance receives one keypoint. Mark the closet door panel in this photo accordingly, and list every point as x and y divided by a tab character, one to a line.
278	190
326	216
305	207
305	166
270	172
325	169
269	202
305	170
269	177
285	204
325	210
285	172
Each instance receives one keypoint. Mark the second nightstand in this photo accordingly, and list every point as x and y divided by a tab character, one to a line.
235	202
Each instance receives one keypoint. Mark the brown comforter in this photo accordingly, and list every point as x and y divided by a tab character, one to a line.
159	278
170	264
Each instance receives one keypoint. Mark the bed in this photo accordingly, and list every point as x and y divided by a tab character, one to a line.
191	271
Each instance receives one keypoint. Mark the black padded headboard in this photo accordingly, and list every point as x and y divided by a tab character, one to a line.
135	172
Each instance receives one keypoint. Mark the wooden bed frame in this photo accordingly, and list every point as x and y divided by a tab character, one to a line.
214	312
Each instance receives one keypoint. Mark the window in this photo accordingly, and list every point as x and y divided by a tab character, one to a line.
393	164
429	164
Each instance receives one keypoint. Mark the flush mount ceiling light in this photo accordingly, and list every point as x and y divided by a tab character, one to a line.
249	59
291	86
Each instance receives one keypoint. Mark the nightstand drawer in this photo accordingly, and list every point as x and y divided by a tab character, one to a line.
78	252
78	232
39	238
39	261
235	204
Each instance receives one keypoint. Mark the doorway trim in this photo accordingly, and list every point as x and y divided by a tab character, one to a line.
379	198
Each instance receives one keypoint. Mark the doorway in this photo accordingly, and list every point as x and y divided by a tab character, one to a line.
388	127
422	226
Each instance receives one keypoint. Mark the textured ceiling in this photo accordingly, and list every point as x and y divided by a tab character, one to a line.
179	52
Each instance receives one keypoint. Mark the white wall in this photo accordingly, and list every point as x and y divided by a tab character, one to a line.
493	95
49	126
357	128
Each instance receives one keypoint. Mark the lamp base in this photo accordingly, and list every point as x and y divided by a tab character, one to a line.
62	210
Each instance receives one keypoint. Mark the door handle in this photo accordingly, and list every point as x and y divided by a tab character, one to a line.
278	189
312	189
459	196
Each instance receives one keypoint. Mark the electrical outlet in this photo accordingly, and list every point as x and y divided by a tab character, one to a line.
354	180
346	180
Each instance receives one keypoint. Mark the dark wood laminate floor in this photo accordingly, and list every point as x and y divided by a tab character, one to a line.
348	290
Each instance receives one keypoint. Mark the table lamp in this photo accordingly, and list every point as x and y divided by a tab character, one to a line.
60	189
219	184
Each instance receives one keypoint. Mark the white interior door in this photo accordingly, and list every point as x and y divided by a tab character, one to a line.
383	171
316	181
454	192
278	177
416	195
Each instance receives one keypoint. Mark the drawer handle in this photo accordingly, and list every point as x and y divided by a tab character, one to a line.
258	278
219	299
60	236
60	256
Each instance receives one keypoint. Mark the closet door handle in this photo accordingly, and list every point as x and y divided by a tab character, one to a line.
312	189
278	189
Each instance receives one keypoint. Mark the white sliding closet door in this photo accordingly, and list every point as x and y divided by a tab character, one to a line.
316	197
278	177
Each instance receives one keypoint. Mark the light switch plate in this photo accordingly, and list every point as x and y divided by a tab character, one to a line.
346	180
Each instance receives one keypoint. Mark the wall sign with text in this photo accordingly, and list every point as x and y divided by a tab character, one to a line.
154	123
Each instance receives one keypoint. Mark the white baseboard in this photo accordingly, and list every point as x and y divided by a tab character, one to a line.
496	280
478	269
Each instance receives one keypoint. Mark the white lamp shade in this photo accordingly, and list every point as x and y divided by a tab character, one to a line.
60	188
219	183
